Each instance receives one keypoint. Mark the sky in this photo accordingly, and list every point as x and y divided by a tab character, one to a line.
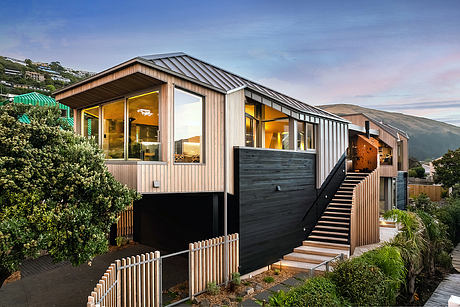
401	56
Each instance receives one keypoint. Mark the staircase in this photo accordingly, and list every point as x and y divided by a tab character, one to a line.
330	237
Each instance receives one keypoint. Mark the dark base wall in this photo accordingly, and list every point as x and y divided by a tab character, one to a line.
401	190
276	190
171	221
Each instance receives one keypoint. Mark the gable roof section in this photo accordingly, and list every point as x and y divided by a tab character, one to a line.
387	127
218	79
38	99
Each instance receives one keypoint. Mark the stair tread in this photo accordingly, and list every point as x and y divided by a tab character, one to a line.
333	227
327	238
329	233
333	222
334	218
339	213
313	249
345	247
308	258
298	265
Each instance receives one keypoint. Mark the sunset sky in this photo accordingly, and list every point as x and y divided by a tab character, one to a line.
399	56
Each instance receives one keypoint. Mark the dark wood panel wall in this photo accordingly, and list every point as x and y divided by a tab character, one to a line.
274	190
401	190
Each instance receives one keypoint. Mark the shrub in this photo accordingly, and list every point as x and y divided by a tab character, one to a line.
450	216
276	271
277	299
389	260
212	288
269	279
361	283
236	279
444	260
318	291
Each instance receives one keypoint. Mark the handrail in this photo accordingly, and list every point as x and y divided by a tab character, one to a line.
326	262
326	183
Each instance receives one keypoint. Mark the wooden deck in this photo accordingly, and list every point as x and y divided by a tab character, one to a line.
449	286
456	258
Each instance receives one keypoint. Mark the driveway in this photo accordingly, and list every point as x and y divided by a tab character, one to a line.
61	284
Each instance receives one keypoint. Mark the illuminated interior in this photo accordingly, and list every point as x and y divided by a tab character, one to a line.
252	116
113	127
277	134
90	123
188	127
385	154
300	136
143	135
311	139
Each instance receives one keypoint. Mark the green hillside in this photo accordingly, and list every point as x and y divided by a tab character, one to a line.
428	138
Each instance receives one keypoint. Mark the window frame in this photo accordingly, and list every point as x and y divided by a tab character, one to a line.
203	126
101	125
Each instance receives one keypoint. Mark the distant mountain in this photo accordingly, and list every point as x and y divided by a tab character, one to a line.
428	138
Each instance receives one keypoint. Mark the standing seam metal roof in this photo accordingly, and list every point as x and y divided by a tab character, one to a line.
190	67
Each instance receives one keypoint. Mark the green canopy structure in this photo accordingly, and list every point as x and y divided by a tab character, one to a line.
38	99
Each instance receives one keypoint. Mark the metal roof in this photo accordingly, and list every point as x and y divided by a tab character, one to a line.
204	73
392	130
38	99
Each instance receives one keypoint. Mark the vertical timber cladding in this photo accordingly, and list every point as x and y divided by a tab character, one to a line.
274	189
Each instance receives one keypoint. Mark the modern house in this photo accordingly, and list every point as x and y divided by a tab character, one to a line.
211	151
393	153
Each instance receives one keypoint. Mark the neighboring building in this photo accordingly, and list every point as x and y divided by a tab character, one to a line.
48	70
38	99
59	78
35	76
20	62
393	158
12	72
183	133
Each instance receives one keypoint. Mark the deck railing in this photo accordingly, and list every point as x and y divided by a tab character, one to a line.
364	219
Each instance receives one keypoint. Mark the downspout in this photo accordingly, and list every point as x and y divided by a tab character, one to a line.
226	268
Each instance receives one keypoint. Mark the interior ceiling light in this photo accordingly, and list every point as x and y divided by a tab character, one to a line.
145	112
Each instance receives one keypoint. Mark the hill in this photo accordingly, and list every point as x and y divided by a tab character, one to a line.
428	138
24	76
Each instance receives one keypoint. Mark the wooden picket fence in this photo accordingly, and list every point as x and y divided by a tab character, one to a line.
364	219
125	223
432	191
136	281
206	262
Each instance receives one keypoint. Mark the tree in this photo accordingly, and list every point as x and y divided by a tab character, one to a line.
447	169
51	87
418	172
56	193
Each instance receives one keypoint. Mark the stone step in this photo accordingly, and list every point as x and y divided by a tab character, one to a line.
321	251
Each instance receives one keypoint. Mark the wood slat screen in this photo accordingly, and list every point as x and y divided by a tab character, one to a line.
125	223
432	191
364	223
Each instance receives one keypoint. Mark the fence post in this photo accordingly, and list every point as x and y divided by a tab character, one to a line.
191	268
118	281
90	302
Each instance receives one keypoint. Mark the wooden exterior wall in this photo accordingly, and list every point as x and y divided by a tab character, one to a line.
390	140
332	143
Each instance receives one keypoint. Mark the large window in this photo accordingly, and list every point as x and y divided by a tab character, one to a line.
113	127
188	127
311	139
300	136
252	116
143	127
276	126
90	123
305	136
385	154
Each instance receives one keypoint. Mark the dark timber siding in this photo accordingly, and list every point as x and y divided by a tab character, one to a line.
401	190
270	220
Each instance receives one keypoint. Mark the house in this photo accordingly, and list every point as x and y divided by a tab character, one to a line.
35	76
16	61
38	99
393	159
12	72
59	78
213	152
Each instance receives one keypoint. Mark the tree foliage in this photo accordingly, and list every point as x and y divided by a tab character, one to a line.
447	169
56	193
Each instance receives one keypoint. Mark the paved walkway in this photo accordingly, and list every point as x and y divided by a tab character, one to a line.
449	286
456	259
65	285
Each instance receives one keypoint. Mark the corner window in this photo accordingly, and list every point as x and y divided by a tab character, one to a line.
90	123
188	127
143	127
276	126
252	116
385	154
113	128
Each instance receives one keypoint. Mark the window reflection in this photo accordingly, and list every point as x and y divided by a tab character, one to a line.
143	125
90	123
300	136
188	127
113	140
311	139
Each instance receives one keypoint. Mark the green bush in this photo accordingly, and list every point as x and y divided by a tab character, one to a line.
236	279
418	172
361	283
269	279
444	260
450	216
389	260
277	299
212	288
318	291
